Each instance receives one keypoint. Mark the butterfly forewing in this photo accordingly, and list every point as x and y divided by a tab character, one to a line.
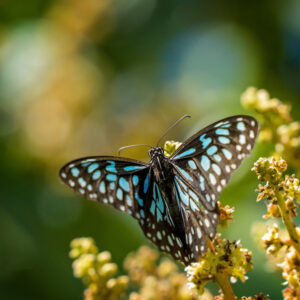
206	161
120	183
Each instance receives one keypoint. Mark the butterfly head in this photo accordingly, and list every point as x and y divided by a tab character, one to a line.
156	152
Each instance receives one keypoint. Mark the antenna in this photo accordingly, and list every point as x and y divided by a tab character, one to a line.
130	146
174	124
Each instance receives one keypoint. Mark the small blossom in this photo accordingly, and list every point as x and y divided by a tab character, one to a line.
226	215
227	257
170	147
272	242
96	271
271	111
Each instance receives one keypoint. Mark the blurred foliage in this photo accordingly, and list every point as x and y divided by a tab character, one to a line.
79	78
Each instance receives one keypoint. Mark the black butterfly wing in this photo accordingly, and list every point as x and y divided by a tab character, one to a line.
199	222
206	160
161	224
118	182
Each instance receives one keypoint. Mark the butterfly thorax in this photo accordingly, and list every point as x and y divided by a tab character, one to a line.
164	176
160	164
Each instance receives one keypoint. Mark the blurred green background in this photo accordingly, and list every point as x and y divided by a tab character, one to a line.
80	78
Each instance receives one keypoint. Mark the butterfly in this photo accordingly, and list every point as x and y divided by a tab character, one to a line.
174	199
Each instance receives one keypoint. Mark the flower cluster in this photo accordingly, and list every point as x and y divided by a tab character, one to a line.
225	259
271	111
96	271
150	277
288	143
157	279
276	124
282	195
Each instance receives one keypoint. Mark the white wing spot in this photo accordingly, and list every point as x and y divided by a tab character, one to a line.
242	139
212	179
238	147
199	233
71	183
217	169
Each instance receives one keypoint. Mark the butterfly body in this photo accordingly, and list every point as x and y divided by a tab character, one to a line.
174	199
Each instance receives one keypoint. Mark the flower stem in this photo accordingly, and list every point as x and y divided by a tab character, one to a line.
223	282
288	222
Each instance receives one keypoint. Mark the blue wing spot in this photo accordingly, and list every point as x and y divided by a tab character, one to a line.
226	125
185	174
96	175
227	153
112	167
160	202
112	185
128	200
217	157
192	164
119	194
140	200
212	150
92	167
185	153
183	196
146	184
133	168
205	162
223	140
75	172
82	182
241	126
135	179
158	215
142	214
111	177
170	241
221	131
102	187
205	141
158	234
85	164
124	184
152	208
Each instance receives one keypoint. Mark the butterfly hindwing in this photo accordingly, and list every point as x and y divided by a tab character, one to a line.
199	222
161	224
112	181
208	158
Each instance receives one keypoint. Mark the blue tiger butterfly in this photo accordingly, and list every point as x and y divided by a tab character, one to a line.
174	199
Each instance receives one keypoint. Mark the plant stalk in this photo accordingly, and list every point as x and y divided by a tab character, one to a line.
223	282
288	222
